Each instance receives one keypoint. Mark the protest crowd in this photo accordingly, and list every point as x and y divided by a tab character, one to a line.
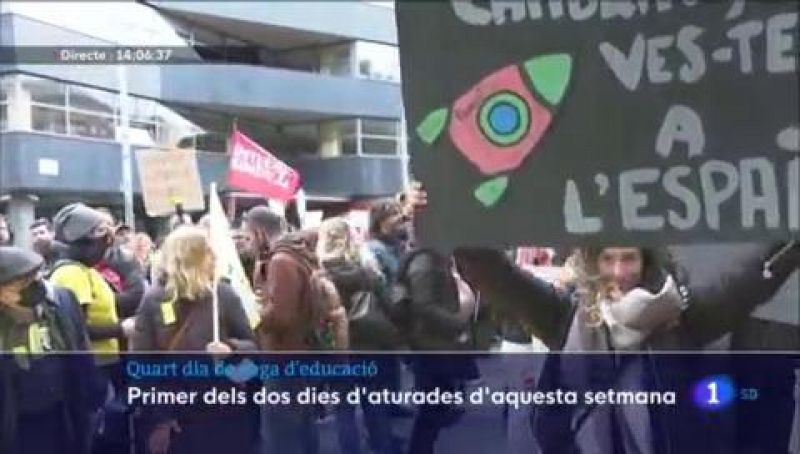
92	285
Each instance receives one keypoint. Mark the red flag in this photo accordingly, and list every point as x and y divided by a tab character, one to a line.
254	169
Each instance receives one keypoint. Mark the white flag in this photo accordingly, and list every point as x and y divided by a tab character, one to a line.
228	264
300	201
277	206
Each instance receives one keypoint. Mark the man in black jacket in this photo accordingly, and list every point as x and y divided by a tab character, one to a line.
435	324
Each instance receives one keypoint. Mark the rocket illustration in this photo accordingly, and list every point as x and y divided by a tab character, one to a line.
500	120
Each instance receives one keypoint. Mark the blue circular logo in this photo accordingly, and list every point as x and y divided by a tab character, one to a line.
504	118
714	393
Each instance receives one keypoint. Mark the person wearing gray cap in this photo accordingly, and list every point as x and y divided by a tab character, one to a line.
87	236
42	393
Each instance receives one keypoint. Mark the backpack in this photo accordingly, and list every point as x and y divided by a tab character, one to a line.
368	319
399	307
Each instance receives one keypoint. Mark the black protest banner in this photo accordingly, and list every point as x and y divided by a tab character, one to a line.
624	121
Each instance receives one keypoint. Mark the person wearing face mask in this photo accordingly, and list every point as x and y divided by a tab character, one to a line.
87	237
45	398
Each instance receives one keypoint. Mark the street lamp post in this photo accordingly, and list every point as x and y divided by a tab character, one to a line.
126	185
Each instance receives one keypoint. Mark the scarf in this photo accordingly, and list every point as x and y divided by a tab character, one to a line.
627	325
627	322
634	317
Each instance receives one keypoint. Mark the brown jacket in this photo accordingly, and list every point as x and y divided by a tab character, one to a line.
284	281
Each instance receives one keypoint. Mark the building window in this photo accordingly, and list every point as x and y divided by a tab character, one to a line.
371	146
380	137
380	128
91	112
336	61
300	138
92	125
49	119
89	100
48	100
378	61
45	91
348	133
349	145
58	108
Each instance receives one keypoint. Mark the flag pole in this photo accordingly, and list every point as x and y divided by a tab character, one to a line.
404	158
215	279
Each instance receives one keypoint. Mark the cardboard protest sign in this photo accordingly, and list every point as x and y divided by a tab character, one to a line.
169	178
625	121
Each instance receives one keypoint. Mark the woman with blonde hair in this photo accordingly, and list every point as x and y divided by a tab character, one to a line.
356	277
177	315
360	287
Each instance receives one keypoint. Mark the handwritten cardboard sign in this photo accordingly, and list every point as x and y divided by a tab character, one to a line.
626	121
168	178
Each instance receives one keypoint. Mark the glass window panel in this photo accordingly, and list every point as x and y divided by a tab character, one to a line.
300	138
308	131
48	119
302	60
386	128
336	60
92	100
347	127
379	146
349	146
88	125
378	61
45	91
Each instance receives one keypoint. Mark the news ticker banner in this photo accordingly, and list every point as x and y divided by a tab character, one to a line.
704	398
101	55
